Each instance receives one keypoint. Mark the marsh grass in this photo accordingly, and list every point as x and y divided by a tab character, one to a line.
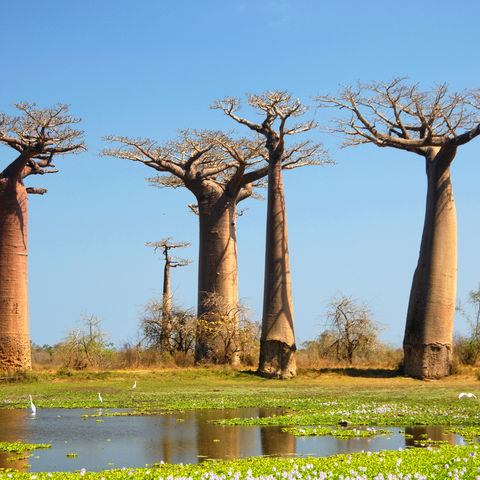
207	388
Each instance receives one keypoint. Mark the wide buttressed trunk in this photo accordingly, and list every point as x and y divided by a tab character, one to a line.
277	342
14	329
217	268
428	333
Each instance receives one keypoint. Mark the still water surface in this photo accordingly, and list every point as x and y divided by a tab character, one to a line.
182	437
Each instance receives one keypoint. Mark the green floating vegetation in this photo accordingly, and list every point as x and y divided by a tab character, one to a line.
134	413
20	447
334	432
443	462
17	458
367	413
470	434
71	455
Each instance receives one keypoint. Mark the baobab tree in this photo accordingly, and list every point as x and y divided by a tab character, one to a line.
37	135
277	342
432	124
170	262
220	172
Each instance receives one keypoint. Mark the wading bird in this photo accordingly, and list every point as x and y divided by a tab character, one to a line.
467	395
100	397
33	408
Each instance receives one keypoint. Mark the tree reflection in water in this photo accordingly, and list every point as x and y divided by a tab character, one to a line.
15	424
416	436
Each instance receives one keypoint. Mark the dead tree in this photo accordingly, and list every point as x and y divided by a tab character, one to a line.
220	172
432	124
277	343
350	327
170	262
37	135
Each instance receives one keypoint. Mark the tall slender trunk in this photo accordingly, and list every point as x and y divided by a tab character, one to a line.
166	309
14	329
277	343
428	333
217	268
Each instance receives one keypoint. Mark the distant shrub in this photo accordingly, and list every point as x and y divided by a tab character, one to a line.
20	376
64	372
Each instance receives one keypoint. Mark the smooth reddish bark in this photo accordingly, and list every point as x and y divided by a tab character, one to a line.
217	266
37	135
277	342
429	328
14	328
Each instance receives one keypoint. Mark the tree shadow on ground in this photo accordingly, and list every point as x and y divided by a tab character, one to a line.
344	371
361	372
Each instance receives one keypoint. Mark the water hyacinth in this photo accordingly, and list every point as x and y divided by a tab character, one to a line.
20	447
444	462
368	413
334	432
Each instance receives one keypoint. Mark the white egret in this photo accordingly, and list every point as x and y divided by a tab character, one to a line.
134	385
33	408
100	398
467	395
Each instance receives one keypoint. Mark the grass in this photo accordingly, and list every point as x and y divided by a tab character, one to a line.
208	388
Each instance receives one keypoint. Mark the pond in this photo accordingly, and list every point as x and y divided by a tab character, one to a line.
101	443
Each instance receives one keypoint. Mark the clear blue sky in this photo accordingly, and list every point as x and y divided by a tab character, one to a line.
148	68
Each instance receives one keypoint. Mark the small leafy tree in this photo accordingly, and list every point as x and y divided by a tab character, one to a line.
350	327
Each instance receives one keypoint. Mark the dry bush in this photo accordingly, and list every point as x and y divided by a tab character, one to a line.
176	335
314	354
226	325
349	340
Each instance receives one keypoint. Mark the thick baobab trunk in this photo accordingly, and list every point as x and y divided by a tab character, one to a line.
277	342
14	330
217	268
166	309
428	333
276	442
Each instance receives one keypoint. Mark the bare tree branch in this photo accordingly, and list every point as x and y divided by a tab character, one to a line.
39	134
194	208
194	157
36	191
277	107
398	114
166	245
